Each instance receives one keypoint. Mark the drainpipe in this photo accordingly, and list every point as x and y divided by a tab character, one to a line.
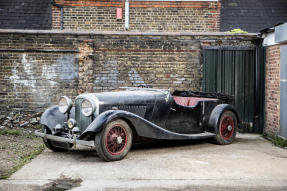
127	10
61	16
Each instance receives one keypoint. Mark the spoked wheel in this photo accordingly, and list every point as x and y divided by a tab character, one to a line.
114	142
54	145
227	127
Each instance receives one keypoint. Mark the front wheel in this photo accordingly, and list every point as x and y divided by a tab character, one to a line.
114	141
226	129
55	145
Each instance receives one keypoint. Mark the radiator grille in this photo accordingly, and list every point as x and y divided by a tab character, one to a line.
82	121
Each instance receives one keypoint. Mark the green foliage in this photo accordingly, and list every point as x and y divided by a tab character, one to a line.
275	140
237	31
10	132
38	126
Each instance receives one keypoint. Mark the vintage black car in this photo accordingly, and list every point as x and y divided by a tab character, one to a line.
111	121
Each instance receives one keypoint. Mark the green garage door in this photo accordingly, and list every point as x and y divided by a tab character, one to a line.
237	72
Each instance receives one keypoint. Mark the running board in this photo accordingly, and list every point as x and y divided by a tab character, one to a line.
194	136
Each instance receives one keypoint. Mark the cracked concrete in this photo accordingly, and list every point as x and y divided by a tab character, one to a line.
251	163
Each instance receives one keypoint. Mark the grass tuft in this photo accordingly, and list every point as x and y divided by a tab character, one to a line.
275	140
10	132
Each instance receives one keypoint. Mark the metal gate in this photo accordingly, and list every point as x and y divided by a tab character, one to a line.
238	72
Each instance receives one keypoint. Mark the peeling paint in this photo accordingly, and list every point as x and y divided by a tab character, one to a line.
27	71
30	75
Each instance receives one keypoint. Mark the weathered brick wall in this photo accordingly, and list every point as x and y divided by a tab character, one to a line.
272	90
37	67
92	18
173	19
56	18
33	69
144	16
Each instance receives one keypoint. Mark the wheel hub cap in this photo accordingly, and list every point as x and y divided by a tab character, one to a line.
229	128
119	139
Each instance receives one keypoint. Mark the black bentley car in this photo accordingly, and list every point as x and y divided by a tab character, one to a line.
112	121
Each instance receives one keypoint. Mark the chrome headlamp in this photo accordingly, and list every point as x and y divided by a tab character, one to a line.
65	104
88	107
71	123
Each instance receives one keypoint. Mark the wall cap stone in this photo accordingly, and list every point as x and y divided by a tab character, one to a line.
126	33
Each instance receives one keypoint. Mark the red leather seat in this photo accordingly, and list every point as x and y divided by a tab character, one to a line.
181	100
189	101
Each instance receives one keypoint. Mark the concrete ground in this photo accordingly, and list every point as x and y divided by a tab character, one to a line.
250	163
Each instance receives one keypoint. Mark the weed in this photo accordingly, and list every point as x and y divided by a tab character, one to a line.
2	147
10	132
38	126
237	31
275	140
31	136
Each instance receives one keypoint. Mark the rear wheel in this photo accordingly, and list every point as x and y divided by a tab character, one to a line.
114	141
55	145
227	127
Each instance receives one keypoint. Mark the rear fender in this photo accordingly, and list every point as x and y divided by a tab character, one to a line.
216	114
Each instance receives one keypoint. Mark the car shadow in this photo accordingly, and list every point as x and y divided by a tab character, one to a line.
159	144
86	152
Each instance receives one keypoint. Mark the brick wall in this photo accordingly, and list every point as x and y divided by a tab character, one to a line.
272	90
34	69
144	16
92	18
56	18
39	66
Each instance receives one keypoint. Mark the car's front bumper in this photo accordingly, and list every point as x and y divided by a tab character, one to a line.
73	140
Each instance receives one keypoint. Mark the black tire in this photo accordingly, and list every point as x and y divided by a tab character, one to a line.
114	141
51	144
227	128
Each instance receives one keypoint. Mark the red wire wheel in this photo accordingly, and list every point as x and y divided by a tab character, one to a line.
114	141
227	128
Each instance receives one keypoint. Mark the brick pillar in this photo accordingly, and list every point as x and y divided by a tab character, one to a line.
214	15
272	90
56	14
86	71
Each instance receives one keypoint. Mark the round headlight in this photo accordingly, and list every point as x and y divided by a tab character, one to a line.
65	104
87	108
71	123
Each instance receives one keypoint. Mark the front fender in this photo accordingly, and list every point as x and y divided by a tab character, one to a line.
52	116
217	112
99	123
